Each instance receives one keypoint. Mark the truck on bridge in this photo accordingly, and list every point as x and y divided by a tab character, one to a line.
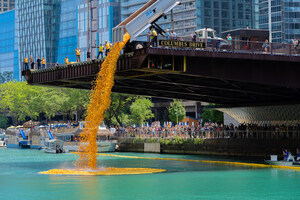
143	19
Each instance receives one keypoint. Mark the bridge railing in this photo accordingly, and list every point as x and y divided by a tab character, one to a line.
237	46
36	67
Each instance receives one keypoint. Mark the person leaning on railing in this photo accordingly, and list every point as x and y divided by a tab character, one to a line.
78	53
101	50
38	61
66	60
43	63
153	35
26	67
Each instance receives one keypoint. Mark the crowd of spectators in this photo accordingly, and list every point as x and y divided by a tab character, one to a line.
208	130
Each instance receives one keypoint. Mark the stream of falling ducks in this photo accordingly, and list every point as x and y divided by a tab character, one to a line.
86	163
99	102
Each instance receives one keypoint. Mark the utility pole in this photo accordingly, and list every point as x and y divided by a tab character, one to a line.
88	25
172	20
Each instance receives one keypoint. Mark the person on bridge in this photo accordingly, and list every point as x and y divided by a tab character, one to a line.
101	49
229	40
88	55
167	34
266	45
78	53
66	60
38	61
43	63
32	62
173	35
107	47
153	35
26	67
194	37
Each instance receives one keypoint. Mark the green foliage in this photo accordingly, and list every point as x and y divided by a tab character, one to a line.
141	110
181	141
118	111
176	112
20	100
3	121
209	115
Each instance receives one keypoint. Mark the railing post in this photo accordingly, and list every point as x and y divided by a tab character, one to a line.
271	48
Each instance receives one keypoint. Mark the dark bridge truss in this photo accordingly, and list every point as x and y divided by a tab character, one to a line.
221	77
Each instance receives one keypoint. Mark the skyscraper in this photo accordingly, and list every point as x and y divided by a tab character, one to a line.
6	5
9	68
223	15
95	26
282	18
38	28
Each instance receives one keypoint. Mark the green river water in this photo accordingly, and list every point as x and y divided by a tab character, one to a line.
19	179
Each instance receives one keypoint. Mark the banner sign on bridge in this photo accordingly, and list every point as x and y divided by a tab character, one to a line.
181	44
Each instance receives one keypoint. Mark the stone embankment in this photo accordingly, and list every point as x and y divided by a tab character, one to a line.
220	147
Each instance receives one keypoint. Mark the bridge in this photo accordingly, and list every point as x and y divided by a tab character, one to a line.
232	77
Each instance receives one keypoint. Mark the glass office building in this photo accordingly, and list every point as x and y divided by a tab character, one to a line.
223	15
185	17
68	30
8	51
38	28
6	5
53	29
282	18
96	26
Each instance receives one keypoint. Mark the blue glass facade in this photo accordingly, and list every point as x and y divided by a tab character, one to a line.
282	18
68	30
53	29
8	51
223	15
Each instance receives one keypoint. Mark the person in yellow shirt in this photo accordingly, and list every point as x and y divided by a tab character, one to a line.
153	34
66	60
43	63
26	67
107	47
101	49
78	53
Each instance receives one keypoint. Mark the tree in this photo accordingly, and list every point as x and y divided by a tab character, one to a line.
75	101
3	121
15	99
20	100
176	111
119	109
210	115
141	110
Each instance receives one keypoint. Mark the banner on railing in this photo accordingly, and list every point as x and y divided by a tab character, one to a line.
181	44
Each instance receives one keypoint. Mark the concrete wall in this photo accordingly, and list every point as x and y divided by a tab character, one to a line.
152	147
225	147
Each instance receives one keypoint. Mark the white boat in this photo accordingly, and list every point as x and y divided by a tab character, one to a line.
290	162
103	146
2	144
2	140
54	146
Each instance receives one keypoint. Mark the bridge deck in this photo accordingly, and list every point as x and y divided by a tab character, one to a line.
223	77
